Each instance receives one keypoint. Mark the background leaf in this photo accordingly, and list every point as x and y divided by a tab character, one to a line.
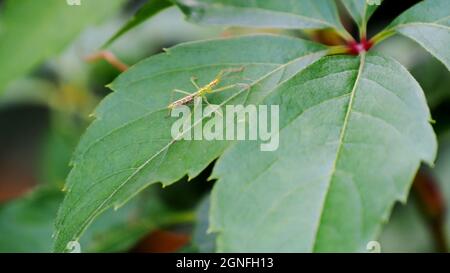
149	9
26	224
36	30
353	131
361	11
299	14
427	23
133	130
406	232
202	240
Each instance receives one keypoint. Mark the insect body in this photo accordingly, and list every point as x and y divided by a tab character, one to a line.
182	101
202	91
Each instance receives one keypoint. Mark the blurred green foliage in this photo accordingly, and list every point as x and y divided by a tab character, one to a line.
36	30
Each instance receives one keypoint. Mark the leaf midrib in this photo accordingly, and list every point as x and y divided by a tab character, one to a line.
340	146
247	185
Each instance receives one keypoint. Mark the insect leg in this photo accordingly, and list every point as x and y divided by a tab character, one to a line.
228	87
213	107
181	91
194	82
170	102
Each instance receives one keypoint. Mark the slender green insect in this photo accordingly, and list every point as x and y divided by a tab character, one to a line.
207	89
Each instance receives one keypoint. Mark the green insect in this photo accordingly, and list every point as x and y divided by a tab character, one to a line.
207	89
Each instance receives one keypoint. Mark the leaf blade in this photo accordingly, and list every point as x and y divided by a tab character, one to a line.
307	209
27	223
150	154
150	9
302	14
427	23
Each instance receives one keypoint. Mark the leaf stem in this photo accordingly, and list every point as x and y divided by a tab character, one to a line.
185	217
363	30
385	34
335	50
109	57
345	35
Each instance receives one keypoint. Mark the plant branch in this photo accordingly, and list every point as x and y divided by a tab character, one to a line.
109	57
382	36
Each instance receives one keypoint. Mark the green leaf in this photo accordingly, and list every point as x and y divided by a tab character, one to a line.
432	75
353	132
57	147
119	230
299	14
31	31
361	11
150	9
27	224
407	231
427	23
202	240
129	146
